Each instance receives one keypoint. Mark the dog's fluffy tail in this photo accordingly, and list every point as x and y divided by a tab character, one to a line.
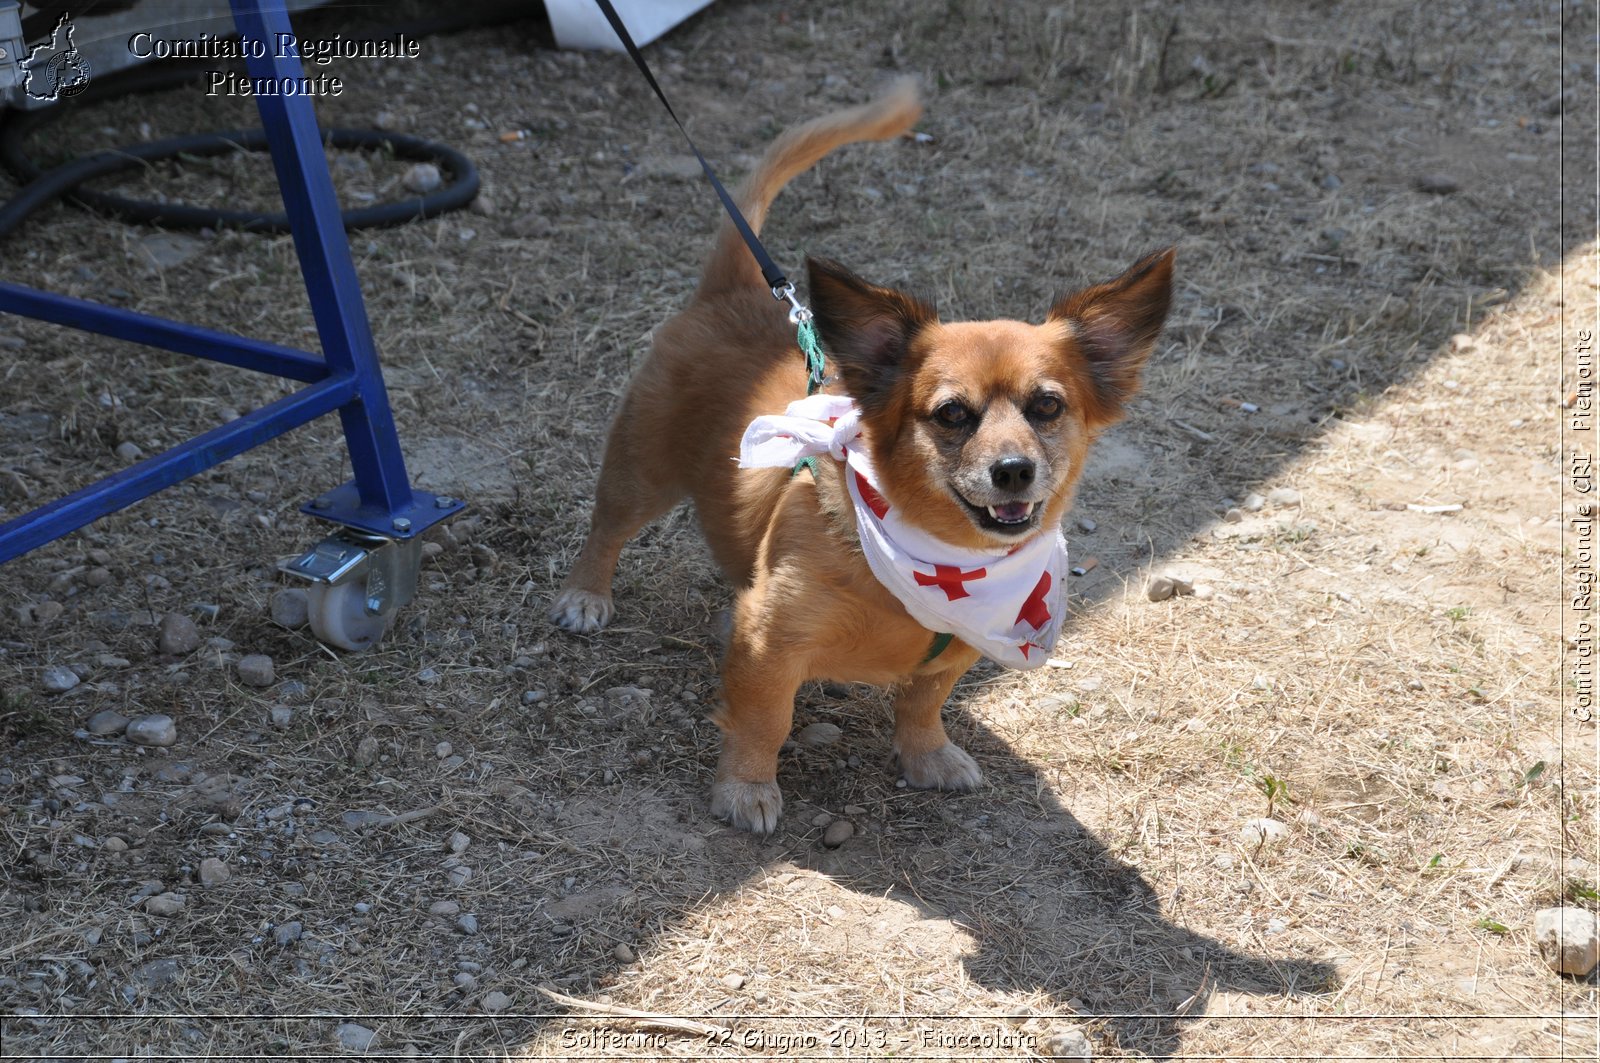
794	152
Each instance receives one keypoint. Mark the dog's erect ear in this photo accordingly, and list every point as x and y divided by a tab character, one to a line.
865	328
1115	326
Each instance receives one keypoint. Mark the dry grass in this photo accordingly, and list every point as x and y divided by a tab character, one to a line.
1392	677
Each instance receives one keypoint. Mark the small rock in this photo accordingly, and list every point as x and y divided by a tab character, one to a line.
818	735
1253	503
281	716
458	843
495	1002
162	251
114	844
107	722
623	954
1567	940
213	872
464	980
1263	831
460	875
289	608
734	981
1460	343
838	832
44	612
429	674
128	451
255	670
58	679
1331	182
467	924
1437	184
1160	589
422	178
1234	515
444	909
157	973
484	205
288	933
354	1037
155	730
1087	524
366	754
179	635
1071	1043
97	577
165	903
443	749
1283	496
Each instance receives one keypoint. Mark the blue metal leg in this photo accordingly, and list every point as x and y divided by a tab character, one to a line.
383	500
165	469
380	500
159	332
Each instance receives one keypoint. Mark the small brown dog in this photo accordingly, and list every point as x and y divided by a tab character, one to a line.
978	430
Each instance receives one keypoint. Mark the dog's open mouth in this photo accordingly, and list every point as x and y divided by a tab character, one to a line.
1007	518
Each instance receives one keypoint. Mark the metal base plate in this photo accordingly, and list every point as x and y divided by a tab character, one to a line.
343	506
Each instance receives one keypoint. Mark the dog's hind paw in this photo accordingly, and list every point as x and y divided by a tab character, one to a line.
946	768
581	612
752	806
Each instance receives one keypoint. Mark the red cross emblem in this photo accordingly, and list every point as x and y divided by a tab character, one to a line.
950	579
1034	610
1026	645
874	501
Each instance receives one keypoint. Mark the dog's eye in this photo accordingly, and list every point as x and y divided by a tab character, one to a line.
952	414
1046	408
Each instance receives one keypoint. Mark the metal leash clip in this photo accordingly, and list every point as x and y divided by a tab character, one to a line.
798	313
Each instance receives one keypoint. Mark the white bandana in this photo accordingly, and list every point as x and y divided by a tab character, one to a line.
1007	605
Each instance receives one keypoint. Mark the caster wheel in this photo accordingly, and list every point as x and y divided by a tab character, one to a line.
339	615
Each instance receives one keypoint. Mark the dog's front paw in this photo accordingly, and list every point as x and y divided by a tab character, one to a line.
581	612
945	768
752	806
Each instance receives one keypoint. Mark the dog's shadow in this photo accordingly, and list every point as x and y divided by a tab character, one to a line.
1045	906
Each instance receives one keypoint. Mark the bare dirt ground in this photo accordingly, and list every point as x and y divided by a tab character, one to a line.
412	841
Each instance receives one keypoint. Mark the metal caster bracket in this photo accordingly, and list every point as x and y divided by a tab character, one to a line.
358	584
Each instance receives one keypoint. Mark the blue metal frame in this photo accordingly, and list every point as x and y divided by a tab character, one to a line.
347	378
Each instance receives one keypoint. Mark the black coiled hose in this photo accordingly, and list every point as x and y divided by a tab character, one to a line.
41	186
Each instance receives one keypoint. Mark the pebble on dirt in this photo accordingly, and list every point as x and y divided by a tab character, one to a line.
1071	1043
1160	589
496	1001
213	872
354	1037
1437	184
622	953
255	670
1283	496
165	903
1263	831
155	730
107	722
366	754
289	608
819	734
422	178
1567	939
58	679
179	635
838	832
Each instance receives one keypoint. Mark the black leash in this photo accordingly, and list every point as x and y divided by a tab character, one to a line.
781	288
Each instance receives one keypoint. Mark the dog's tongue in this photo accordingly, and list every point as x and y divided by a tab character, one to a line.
1012	512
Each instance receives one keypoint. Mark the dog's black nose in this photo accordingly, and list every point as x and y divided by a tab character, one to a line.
1012	474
